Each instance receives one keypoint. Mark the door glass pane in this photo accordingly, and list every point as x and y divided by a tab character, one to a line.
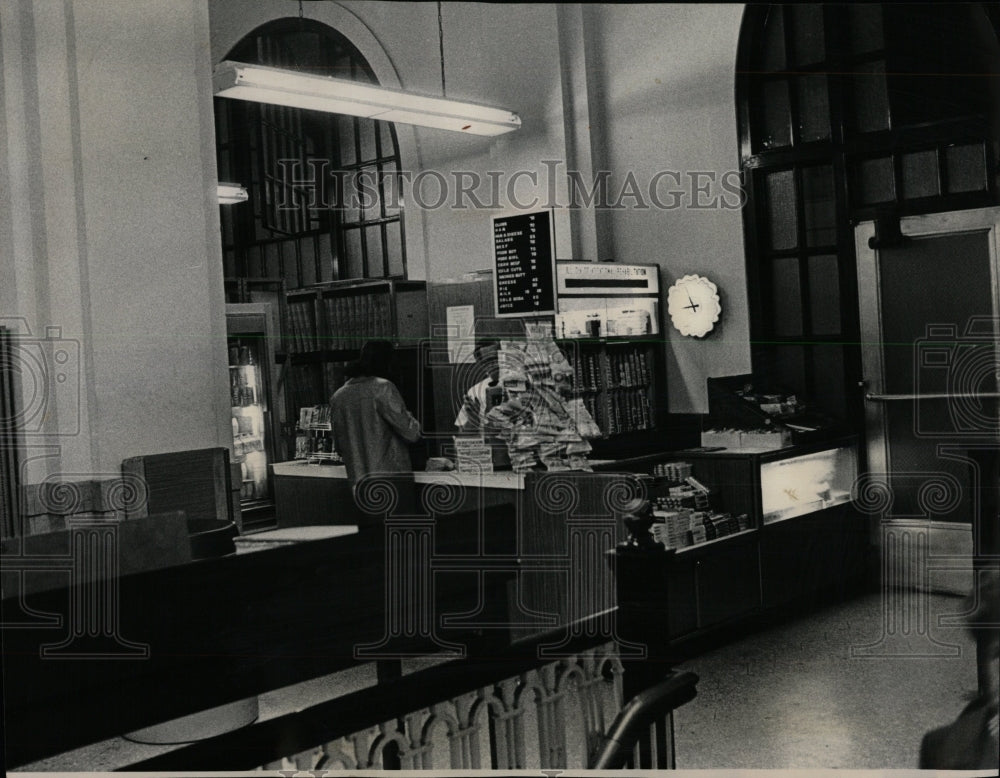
807	33
930	290
777	127
786	296
869	98
782	219
819	206
939	281
920	174
824	295
814	108
966	168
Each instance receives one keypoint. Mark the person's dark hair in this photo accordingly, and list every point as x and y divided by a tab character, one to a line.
375	360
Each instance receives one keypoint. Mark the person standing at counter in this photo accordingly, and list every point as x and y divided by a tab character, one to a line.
480	396
371	426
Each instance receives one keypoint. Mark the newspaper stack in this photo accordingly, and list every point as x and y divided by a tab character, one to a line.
473	455
539	422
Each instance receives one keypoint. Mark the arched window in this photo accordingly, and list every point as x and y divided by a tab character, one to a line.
846	113
306	221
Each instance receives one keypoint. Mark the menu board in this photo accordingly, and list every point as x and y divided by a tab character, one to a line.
524	267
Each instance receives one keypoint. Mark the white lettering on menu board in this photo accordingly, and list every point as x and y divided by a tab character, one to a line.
522	249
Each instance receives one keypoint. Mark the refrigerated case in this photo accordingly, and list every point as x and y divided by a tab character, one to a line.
251	330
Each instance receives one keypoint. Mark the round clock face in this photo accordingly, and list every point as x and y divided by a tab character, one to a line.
693	304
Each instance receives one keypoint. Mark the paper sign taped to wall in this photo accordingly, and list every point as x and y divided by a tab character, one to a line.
460	321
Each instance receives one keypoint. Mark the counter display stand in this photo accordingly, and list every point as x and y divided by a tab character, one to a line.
802	542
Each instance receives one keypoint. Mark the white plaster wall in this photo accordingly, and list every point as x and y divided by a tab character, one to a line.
111	224
667	76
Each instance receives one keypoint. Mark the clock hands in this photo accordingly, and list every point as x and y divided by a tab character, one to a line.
703	308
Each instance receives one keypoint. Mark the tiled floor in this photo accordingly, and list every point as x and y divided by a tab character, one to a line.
809	694
791	696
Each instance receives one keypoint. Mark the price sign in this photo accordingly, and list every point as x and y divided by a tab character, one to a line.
524	267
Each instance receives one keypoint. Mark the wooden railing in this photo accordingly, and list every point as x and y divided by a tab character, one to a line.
168	643
506	712
510	712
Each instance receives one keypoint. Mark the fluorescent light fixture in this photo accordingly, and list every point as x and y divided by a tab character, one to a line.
333	95
230	194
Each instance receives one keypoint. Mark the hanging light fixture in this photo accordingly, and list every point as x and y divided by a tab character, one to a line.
230	194
278	86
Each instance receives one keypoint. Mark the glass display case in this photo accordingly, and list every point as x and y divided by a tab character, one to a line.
779	529
252	392
249	405
798	485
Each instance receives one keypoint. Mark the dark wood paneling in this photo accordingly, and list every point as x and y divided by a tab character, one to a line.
569	521
728	581
809	557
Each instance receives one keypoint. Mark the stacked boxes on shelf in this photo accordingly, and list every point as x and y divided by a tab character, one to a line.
683	515
761	440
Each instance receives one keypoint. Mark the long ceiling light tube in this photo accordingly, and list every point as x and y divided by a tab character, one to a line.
231	194
277	86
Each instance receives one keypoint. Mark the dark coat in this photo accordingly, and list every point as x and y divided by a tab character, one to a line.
966	744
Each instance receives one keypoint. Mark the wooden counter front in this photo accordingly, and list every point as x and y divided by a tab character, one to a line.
308	494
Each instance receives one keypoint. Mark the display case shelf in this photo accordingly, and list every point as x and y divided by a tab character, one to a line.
714	541
803	541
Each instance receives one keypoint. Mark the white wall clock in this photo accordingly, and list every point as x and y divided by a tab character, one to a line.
693	304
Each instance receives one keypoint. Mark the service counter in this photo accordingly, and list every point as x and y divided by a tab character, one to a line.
531	539
312	494
545	541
